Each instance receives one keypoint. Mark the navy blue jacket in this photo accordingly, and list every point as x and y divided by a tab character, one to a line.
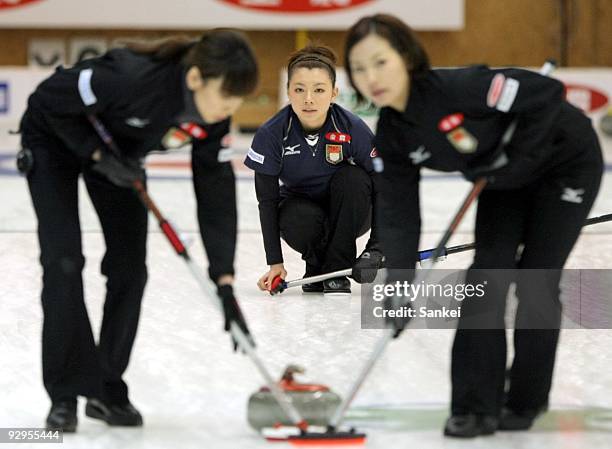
280	150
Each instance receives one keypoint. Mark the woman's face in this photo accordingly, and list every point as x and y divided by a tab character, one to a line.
311	93
212	103
379	72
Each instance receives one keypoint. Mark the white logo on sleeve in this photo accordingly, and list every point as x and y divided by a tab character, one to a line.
572	195
508	95
419	155
85	90
255	156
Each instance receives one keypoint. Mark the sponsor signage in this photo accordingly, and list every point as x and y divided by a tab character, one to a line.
585	97
4	4
246	14
296	6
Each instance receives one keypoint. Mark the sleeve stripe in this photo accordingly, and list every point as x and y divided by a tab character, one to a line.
255	156
508	95
495	90
85	90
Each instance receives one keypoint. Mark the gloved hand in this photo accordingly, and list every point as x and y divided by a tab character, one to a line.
510	170
232	312
495	163
122	172
398	303
397	323
367	265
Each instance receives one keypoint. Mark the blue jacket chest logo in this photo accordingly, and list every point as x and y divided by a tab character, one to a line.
291	150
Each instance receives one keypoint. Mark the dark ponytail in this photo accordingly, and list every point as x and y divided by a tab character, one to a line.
168	48
218	53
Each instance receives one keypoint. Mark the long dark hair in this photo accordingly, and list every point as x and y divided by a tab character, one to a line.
218	53
399	35
313	56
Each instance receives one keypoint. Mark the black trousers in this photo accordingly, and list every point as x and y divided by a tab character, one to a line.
546	219
72	362
324	232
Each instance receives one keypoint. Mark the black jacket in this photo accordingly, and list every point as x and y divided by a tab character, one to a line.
140	101
454	121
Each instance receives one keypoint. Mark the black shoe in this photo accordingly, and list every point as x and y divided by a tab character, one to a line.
511	420
63	416
470	425
114	414
337	286
315	287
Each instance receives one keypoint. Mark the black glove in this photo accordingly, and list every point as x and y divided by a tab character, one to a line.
25	161
494	163
400	305
232	312
122	172
397	323
367	265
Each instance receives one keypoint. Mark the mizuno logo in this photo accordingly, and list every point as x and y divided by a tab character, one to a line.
289	150
419	155
137	122
572	195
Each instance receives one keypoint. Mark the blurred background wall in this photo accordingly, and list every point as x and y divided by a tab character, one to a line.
578	33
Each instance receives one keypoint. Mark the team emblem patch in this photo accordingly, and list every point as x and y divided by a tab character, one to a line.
338	137
175	138
462	140
194	130
450	122
333	153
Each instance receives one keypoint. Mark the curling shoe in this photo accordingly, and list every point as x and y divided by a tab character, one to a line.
63	416
470	425
337	286
314	287
114	414
513	421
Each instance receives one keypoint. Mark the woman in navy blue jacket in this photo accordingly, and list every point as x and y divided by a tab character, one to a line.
322	155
